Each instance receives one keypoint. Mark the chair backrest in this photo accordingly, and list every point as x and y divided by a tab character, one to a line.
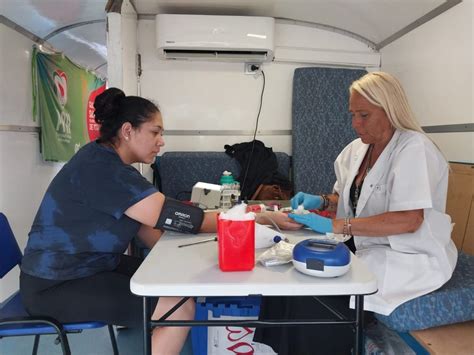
321	125
179	171
10	253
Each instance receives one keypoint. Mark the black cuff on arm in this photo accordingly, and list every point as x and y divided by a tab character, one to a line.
180	217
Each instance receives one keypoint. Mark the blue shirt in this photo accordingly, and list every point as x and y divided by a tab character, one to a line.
80	228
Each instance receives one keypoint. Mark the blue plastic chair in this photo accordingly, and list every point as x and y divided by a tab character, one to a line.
15	320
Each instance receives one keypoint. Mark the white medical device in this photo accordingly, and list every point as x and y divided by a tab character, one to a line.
321	258
207	196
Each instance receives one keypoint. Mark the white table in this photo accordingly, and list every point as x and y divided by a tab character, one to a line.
194	271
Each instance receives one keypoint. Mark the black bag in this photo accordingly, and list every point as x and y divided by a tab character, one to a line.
258	165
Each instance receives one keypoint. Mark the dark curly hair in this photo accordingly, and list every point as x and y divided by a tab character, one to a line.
113	108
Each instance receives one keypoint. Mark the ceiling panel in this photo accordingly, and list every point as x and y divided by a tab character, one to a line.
372	20
86	45
42	17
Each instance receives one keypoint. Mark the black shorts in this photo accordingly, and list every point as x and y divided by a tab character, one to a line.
104	297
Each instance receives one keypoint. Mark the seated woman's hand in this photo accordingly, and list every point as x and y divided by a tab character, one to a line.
280	218
315	222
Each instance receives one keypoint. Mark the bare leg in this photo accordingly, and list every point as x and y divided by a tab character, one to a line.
170	340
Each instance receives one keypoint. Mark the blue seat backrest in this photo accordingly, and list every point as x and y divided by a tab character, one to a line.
10	253
321	125
179	171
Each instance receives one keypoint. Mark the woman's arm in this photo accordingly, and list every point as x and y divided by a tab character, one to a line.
280	218
148	210
149	236
333	200
381	225
209	224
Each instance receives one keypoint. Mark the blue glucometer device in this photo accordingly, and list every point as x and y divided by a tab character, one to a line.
320	258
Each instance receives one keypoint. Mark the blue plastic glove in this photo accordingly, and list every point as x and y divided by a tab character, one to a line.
314	221
309	202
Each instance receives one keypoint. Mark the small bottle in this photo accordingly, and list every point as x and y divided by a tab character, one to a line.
236	193
227	182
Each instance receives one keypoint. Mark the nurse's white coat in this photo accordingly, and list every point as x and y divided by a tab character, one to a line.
410	174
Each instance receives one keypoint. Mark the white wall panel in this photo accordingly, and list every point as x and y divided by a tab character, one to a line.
15	76
129	48
122	49
24	178
114	50
196	95
305	44
216	143
435	64
23	175
456	147
305	36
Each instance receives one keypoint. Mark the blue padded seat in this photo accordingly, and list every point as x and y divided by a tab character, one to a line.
14	308
15	320
179	171
452	303
321	125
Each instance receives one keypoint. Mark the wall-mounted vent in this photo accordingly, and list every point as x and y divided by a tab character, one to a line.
221	38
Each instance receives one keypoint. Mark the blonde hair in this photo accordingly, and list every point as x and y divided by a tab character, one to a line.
384	90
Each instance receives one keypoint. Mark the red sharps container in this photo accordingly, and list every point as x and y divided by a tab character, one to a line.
236	240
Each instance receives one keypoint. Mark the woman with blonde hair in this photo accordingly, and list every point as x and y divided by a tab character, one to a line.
390	196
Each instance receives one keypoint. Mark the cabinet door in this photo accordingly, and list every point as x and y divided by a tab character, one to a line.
459	205
468	244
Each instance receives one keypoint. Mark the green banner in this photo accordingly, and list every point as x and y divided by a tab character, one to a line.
63	102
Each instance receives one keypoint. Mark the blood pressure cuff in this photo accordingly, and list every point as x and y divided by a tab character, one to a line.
180	217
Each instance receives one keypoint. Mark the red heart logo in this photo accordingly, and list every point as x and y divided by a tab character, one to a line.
240	332
60	81
241	349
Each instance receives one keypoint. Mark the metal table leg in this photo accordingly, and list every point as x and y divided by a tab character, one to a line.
359	326
146	327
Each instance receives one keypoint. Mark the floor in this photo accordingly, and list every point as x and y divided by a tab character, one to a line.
456	339
97	342
90	342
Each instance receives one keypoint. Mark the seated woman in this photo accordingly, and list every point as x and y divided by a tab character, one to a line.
390	195
74	267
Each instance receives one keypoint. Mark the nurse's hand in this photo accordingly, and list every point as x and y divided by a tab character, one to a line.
315	222
309	202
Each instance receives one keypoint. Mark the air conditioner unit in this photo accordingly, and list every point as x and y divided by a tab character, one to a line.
218	38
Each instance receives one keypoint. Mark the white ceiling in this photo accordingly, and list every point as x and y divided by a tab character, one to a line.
84	44
374	20
77	27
